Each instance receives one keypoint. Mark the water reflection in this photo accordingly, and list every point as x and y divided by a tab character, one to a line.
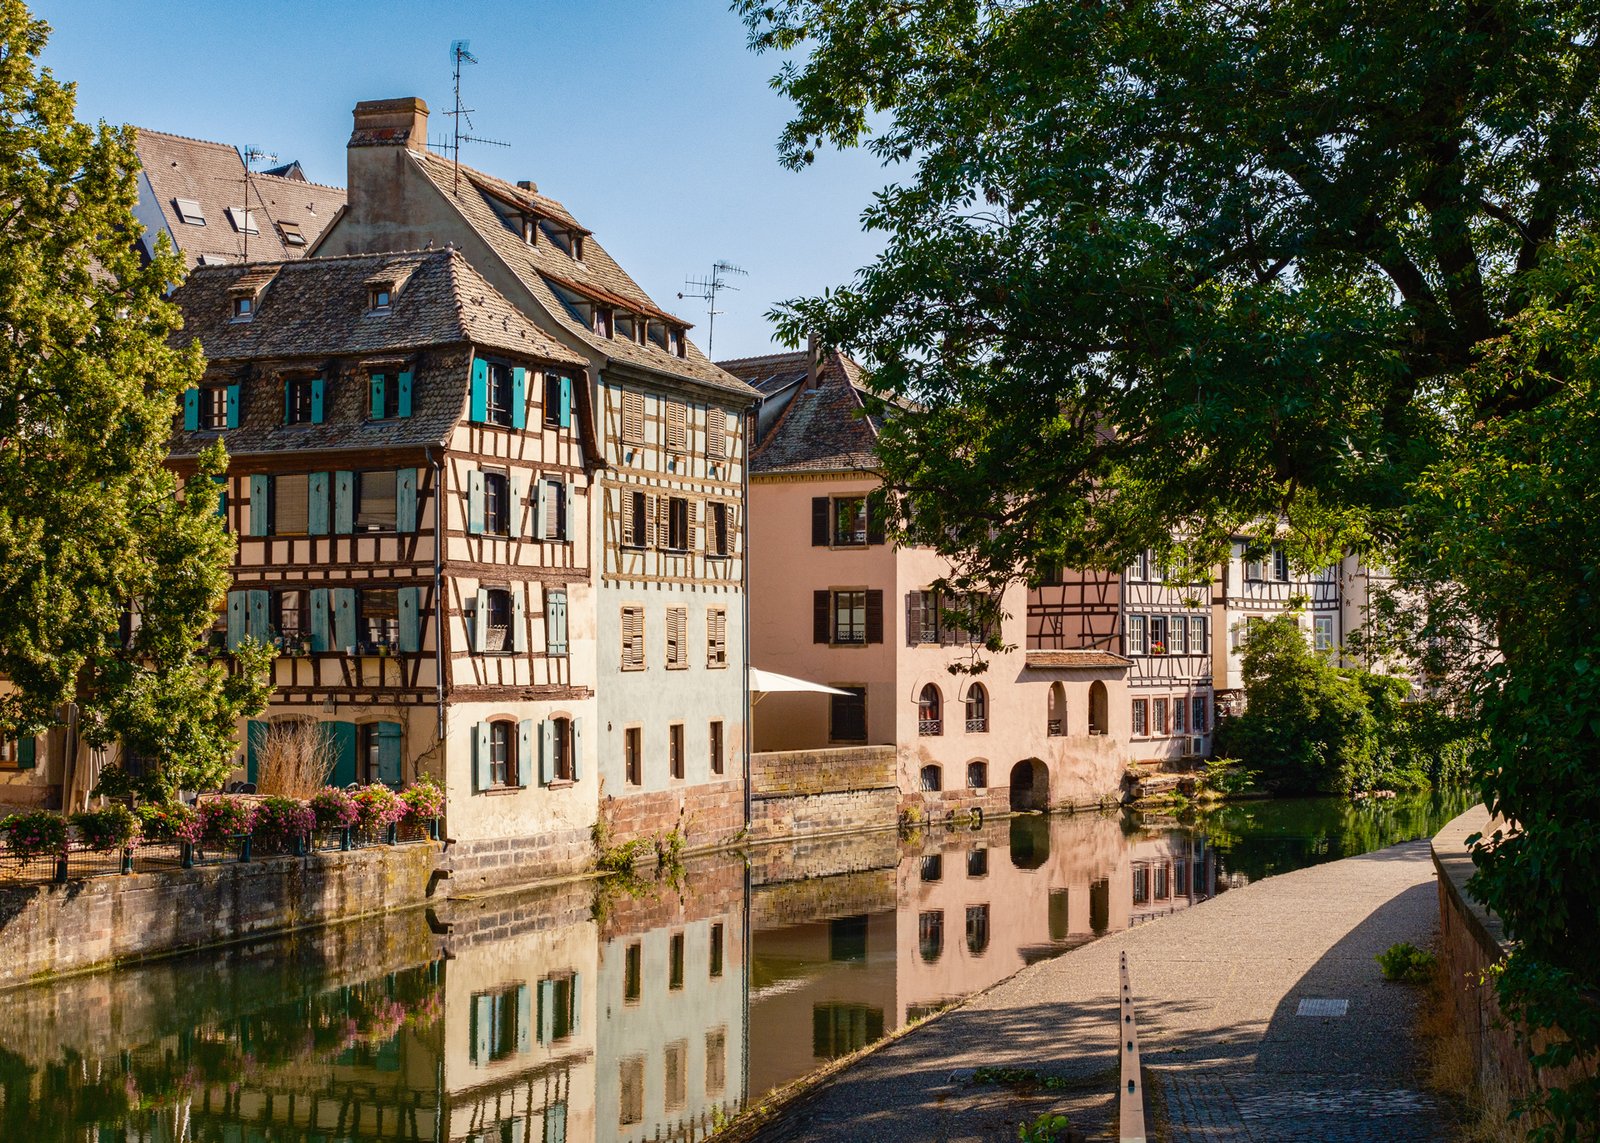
571	1014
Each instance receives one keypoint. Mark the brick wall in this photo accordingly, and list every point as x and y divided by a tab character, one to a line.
708	816
822	813
507	861
822	898
796	859
714	887
486	920
793	772
47	930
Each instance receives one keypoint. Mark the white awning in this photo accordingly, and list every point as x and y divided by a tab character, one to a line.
770	682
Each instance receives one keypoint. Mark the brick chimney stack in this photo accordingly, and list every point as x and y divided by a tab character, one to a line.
390	123
813	359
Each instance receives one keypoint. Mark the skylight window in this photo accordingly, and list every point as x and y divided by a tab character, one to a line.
292	235
243	220
214	260
189	212
380	297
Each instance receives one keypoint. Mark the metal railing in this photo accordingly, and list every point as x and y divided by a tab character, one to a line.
1130	1091
977	726
1053	728
928	727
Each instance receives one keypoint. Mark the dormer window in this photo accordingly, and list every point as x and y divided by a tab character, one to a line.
530	230
675	342
603	325
292	234
378	298
244	308
244	221
577	246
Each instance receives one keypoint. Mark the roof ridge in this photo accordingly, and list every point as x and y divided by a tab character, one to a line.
324	258
187	139
300	182
792	353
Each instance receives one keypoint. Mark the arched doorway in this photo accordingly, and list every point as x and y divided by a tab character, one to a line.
1056	726
1030	842
1099	709
1030	785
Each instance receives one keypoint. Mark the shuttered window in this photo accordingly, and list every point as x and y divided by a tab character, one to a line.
633	639
716	637
555	623
716	529
376	497
716	434
677	638
638	519
633	418
291	505
677	426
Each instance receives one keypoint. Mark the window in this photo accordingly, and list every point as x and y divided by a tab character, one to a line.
977	929
299	405
633	418
847	939
1280	565
1197	712
556	510
291	505
839	1029
931	779
555	623
1158	717
630	1101
1179	711
291	621
977	775
977	709
716	637
604	322
714	959
1322	626
675	749
676	342
1178	635
379	298
1056	716
1197	635
1158	635
632	973
1141	884
850	522
497	1024
379	618
633	755
978	861
497	637
1252	571
244	221
716	434
677	426
1136	632
675	1063
675	963
18	753
375	495
638	522
558	1007
677	638
677	524
498	395
847	715
716	1062
930	935
930	711
1140	568
560	744
496	503
922	616
932	867
557	401
1141	716
190	212
244	308
292	234
714	736
384	396
502	754
849	617
214	401
716	529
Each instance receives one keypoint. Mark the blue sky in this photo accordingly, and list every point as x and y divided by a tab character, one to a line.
649	119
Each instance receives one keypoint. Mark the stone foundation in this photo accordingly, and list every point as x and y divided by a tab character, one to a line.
799	792
706	817
475	866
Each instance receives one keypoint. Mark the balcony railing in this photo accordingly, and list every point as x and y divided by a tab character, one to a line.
928	727
978	725
1053	728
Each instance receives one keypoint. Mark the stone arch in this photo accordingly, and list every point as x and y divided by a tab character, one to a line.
1099	708
1030	842
1030	785
1057	724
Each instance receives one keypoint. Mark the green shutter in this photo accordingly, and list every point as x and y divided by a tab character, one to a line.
482	1025
238	617
518	492
525	1017
260	505
317	509
342	738
525	751
233	407
222	498
405	500
474	504
389	753
547	1011
344	618
519	397
321	629
404	381
480	755
27	752
344	503
317	389
259	624
480	619
480	391
577	776
410	619
566	402
191	409
375	401
519	621
255	732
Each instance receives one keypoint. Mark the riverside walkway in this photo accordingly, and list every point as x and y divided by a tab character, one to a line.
1219	989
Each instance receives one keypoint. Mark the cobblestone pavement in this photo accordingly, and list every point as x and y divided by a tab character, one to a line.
1217	992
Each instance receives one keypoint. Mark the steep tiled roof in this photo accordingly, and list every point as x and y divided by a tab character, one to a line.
493	207
825	429
315	310
212	176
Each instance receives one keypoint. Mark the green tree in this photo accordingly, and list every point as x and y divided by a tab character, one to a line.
91	522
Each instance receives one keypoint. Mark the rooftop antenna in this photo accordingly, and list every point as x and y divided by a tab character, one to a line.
705	289
460	53
252	154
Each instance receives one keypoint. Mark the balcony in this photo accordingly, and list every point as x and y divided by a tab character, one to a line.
977	726
1053	728
930	727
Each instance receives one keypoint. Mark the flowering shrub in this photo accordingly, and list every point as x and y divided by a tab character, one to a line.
114	827
217	819
160	823
378	806
35	834
279	821
424	801
334	808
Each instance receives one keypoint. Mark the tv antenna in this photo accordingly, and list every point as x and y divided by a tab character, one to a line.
460	53
252	154
706	289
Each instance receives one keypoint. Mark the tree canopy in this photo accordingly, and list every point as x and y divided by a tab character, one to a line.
92	527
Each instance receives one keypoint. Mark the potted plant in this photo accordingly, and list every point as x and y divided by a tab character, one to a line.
281	824
221	819
114	827
378	808
160	822
36	834
424	801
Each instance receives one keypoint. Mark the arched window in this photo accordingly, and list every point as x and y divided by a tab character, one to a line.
978	775
930	711
977	929
932	779
503	754
1057	724
1099	708
930	935
977	709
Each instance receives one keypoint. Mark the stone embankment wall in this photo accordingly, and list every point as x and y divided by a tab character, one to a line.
49	930
1471	942
799	792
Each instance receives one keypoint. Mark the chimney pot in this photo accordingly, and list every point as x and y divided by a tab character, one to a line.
528	185
391	122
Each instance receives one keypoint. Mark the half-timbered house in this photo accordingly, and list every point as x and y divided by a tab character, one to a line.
408	486
837	603
1251	590
668	507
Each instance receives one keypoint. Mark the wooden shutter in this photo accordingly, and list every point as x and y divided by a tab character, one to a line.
716	434
819	521
341	738
191	409
517	490
233	407
318	388
652	521
474	504
260	621
519	397
480	620
541	509
344	618
478	407
389	753
525	752
677	426
821	619
260	504
321	627
692	513
555	623
564	413
632	417
547	752
914	617
577	770
317	504
874	616
631	512
519	620
255	735
238	617
27	752
344	503
480	762
410	599
375	387
405	500
404	382
877	509
568	510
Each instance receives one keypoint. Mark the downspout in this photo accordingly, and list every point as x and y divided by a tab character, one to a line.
752	413
438	593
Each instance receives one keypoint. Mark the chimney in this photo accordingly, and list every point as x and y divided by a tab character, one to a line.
528	185
391	123
813	359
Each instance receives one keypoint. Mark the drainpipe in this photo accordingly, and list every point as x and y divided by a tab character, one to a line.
438	595
750	415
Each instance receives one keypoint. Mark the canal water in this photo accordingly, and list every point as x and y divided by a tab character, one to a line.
645	1011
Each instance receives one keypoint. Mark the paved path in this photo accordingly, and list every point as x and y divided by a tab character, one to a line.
1217	990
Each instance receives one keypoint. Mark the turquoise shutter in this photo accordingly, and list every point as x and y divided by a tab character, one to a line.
27	752
480	619
518	485
317	510
519	397
547	752
321	629
577	775
525	1017
222	498
260	621
555	1117
344	503
342	739
317	390
238	617
389	754
474	503
525	749
191	409
482	1025
233	406
404	381
344	618
566	402
260	504
480	391
547	1011
519	621
255	733
410	618
405	500
480	755
375	397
